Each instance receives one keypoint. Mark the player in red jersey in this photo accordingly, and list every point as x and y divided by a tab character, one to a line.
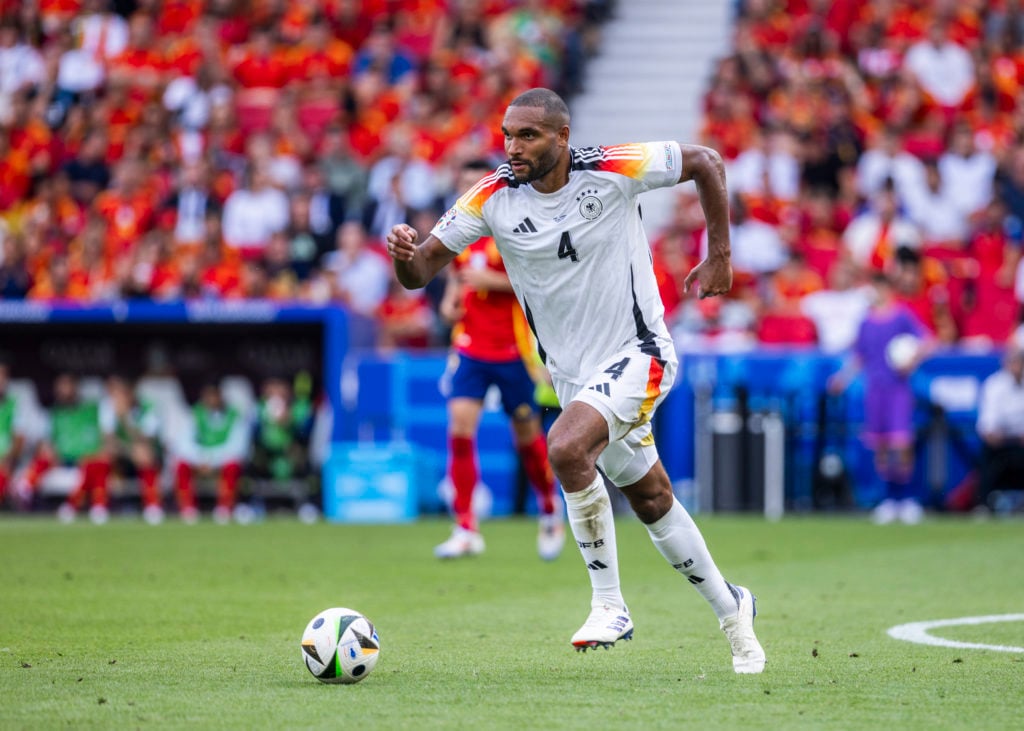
492	344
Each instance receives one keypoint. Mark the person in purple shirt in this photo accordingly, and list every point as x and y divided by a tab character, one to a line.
889	401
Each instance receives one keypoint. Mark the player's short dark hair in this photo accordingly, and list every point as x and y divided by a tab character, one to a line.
555	109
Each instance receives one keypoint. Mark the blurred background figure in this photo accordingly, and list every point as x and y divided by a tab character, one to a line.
1001	427
131	449
215	445
284	423
889	400
72	439
12	431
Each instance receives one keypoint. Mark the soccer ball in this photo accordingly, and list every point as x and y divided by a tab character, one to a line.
340	646
901	351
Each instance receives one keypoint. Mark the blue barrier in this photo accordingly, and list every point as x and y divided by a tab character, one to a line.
386	483
398	397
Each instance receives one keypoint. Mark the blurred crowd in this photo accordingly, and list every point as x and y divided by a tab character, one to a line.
168	149
259	149
863	136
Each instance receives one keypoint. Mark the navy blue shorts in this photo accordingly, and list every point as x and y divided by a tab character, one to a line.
473	377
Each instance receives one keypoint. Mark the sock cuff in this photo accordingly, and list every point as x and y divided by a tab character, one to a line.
587	495
461	446
537	444
664	525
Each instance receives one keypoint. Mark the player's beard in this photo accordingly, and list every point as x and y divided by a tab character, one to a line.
537	170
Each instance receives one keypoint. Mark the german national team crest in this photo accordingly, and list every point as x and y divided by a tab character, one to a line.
590	205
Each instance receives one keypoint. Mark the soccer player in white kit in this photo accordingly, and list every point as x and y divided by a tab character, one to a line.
567	224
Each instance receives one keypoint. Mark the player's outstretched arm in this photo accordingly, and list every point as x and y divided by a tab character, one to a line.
416	264
704	166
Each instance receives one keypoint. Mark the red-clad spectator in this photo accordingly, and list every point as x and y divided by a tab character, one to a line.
53	207
178	16
920	283
404	318
60	284
261	63
29	136
984	301
141	65
57	13
352	20
818	239
127	208
15	174
320	55
783	322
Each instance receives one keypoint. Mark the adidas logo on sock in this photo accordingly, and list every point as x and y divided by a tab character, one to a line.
526	227
596	565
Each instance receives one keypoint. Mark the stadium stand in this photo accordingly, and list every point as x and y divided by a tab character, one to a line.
857	129
192	149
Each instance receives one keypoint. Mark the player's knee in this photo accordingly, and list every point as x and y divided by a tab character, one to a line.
651	506
566	455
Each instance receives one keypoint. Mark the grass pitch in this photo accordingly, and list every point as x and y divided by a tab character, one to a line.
128	626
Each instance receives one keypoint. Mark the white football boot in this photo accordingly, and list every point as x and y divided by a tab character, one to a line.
887	511
747	655
605	626
550	536
461	543
99	515
66	513
153	514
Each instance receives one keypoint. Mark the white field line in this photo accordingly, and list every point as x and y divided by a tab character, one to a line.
919	632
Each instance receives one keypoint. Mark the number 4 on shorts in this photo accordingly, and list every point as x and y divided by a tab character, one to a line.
615	369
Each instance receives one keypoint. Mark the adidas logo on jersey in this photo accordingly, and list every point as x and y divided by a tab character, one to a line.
526	227
604	388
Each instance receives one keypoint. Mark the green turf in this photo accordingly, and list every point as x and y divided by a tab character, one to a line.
129	626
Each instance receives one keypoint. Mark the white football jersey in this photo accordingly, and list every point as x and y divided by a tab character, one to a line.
578	258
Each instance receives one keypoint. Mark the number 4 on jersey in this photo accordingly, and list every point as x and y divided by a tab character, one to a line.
615	370
565	250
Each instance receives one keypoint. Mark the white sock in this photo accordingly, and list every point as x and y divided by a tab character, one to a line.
679	540
593	525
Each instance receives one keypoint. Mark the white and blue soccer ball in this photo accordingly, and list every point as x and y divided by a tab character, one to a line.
340	645
902	351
